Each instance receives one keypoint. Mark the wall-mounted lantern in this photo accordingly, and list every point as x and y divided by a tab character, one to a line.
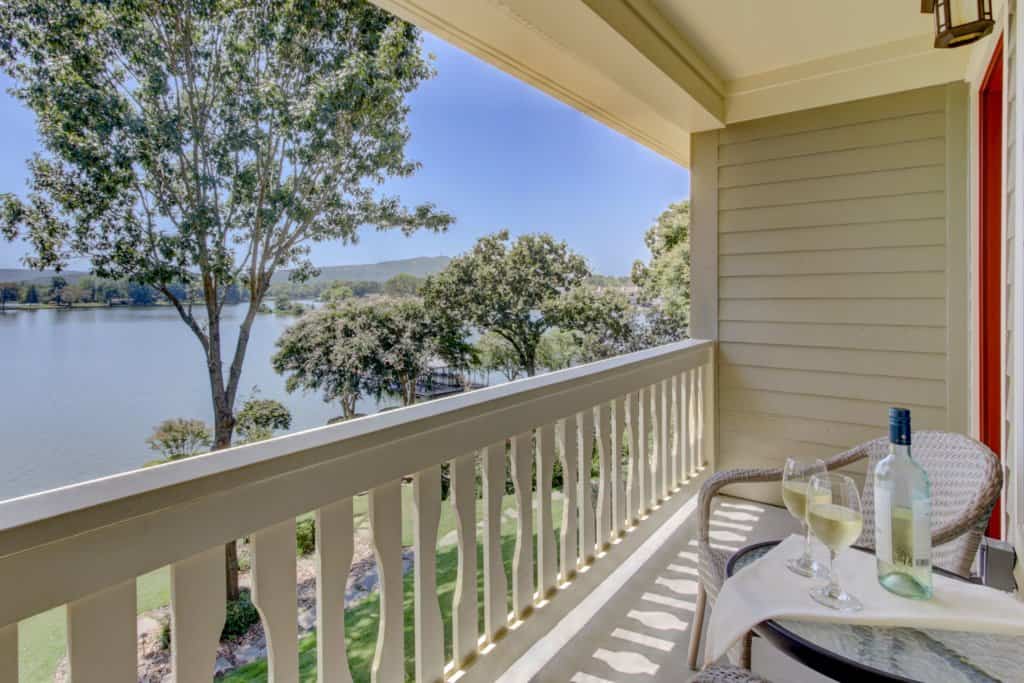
959	22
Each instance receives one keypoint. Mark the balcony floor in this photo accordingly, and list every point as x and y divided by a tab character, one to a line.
636	625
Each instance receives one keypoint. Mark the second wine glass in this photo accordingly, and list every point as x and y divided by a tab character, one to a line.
796	477
834	513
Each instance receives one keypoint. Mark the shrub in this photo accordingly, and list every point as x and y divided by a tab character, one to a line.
165	635
305	537
241	615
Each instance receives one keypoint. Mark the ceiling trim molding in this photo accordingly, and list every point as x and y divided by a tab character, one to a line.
877	70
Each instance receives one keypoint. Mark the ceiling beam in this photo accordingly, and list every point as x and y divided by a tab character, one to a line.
569	51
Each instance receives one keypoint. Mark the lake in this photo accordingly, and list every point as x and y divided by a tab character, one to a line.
81	389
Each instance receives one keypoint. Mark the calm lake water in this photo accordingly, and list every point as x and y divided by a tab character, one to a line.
80	390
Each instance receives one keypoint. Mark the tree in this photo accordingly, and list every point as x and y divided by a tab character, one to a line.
8	292
664	282
32	295
405	340
306	354
209	143
259	418
57	286
497	355
517	291
558	350
403	284
179	438
336	293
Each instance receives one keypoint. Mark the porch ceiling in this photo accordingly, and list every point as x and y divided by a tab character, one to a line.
659	70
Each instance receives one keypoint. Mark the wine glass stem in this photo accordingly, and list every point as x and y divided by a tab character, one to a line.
807	543
833	575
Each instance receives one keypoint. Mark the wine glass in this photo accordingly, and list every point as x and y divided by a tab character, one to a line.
834	515
795	479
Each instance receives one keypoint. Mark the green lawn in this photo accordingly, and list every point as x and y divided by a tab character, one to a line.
361	620
42	638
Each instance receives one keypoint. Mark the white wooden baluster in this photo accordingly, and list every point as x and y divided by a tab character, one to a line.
618	428
646	446
334	544
464	614
678	449
586	487
708	411
691	426
568	450
385	507
634	499
198	607
672	420
547	560
9	653
699	403
495	584
273	594
604	484
102	639
429	629
522	561
664	473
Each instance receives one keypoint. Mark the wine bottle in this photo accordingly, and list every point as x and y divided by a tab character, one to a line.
903	542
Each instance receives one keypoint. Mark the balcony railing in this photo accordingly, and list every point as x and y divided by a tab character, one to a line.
647	414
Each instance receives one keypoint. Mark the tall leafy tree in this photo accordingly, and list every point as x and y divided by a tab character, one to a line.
664	282
326	351
406	341
518	290
209	143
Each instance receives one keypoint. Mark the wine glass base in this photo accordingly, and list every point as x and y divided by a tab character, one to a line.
808	566
837	599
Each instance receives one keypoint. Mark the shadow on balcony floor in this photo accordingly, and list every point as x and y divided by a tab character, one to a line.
642	631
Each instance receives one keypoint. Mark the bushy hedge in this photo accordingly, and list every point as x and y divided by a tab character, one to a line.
305	537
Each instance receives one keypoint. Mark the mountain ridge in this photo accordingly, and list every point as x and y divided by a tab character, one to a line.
420	266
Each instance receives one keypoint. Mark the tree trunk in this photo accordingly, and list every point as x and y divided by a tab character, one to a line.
222	439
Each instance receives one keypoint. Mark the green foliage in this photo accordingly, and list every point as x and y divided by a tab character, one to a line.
664	282
520	290
305	536
497	355
558	350
403	284
259	418
165	635
336	293
241	615
180	437
209	144
324	351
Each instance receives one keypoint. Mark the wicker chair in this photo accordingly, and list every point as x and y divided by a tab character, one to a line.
966	479
728	674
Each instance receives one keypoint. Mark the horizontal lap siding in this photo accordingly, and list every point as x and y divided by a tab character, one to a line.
832	277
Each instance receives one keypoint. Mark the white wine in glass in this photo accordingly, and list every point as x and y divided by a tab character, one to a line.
835	517
796	477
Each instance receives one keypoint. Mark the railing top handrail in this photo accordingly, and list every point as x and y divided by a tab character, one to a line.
138	492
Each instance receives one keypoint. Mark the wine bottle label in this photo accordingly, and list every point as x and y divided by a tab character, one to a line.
883	524
902	534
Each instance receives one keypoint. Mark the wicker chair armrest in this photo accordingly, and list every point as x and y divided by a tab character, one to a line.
977	514
720	480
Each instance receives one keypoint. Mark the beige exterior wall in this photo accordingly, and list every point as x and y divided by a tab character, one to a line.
841	272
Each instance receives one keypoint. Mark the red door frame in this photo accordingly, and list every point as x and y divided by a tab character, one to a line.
990	251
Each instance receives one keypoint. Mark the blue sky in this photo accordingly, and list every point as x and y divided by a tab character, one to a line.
496	153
